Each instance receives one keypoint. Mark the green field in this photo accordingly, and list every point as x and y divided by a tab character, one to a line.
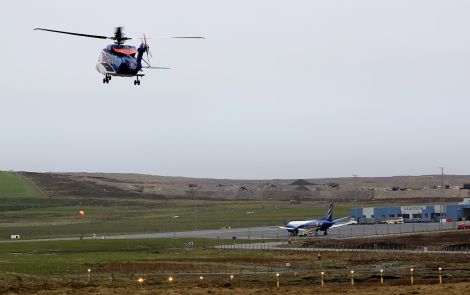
12	186
25	211
47	217
56	257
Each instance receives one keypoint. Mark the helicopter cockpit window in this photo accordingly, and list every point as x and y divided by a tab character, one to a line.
103	57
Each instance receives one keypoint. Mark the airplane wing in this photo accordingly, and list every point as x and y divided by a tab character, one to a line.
343	223
340	219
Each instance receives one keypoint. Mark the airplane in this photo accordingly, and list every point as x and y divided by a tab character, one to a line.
306	227
118	59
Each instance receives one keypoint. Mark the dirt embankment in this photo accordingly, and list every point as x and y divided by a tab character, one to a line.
59	185
370	189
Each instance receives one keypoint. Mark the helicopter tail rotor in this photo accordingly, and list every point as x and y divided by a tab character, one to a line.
146	48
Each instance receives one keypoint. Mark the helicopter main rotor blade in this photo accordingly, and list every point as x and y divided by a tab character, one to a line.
75	34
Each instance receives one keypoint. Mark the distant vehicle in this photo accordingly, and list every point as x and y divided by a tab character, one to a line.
464	226
307	227
398	220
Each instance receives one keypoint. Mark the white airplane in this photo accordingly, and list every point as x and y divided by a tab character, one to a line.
306	227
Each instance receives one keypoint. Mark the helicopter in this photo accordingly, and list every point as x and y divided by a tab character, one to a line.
119	59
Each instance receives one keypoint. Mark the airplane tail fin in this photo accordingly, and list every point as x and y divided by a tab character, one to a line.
329	215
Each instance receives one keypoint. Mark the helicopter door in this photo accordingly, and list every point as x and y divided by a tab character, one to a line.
103	65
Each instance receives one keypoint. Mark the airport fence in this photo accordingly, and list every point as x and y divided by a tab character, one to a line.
388	247
288	273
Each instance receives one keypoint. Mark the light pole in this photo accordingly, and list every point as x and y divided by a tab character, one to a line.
440	275
355	187
249	220
193	188
442	198
173	224
173	227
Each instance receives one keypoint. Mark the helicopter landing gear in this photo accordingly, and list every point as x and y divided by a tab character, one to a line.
137	81
106	79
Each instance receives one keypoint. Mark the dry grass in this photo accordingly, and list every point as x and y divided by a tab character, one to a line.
17	285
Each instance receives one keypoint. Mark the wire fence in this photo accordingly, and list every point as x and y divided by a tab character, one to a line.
382	247
287	273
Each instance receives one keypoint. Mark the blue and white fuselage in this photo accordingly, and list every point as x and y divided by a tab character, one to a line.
315	224
120	60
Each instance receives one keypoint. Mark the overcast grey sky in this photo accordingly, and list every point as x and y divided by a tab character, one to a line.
279	89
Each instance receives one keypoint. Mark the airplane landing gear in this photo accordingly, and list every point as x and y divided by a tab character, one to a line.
137	81
325	233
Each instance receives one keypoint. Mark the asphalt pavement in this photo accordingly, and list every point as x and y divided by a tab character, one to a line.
270	232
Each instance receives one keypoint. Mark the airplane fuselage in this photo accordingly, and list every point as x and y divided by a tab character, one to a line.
309	224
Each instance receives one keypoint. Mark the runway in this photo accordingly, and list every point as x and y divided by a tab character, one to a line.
273	232
340	232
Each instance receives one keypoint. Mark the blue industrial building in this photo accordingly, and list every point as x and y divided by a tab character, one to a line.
416	213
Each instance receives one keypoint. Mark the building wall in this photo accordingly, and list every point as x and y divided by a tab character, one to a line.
412	213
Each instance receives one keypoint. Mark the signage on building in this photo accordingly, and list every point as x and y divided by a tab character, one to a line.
413	208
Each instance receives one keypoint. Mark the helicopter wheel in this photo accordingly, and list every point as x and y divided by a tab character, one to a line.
104	80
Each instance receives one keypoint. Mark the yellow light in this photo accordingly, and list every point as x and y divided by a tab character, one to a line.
277	275
381	271
140	280
411	270
322	273
352	271
201	277
170	279
89	270
440	268
231	277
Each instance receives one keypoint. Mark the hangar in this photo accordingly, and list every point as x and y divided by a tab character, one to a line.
414	213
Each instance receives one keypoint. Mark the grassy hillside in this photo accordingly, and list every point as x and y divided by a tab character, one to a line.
13	186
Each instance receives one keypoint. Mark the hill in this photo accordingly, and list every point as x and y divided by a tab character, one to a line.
427	187
13	186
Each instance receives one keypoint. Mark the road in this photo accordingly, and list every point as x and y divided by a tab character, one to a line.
274	232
